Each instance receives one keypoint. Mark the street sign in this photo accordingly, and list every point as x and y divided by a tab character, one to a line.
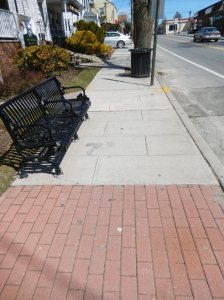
161	10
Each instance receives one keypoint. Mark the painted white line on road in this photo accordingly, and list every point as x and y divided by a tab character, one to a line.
179	40
195	44
193	63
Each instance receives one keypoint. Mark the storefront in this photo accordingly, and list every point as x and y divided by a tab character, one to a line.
212	15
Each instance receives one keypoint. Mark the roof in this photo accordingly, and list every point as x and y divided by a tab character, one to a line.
214	4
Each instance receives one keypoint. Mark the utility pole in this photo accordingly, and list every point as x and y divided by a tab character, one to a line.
132	20
223	17
155	41
189	22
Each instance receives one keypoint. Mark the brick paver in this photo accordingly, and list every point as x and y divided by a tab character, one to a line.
111	242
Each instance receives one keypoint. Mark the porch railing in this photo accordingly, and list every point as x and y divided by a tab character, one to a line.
8	25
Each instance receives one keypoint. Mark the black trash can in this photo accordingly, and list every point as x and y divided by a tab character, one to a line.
140	62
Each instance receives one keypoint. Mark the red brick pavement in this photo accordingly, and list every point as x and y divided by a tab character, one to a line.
111	242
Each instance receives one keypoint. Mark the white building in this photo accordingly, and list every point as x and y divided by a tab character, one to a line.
50	20
107	10
175	25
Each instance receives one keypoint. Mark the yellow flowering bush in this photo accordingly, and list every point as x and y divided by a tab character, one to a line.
45	58
85	41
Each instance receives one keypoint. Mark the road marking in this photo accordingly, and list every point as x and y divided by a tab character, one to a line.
176	40
193	63
166	89
217	48
195	44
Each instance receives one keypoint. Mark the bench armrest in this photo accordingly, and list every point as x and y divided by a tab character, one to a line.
80	97
73	87
33	136
60	107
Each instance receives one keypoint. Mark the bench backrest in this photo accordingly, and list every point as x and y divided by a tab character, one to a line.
22	110
50	91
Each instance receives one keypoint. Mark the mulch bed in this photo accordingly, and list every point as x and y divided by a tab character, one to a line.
5	140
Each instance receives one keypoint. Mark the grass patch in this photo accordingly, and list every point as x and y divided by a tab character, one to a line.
81	77
84	78
7	175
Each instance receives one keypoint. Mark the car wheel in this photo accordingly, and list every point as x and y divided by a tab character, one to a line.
194	40
120	44
216	40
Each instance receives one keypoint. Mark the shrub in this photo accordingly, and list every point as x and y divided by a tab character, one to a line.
48	59
110	27
99	32
86	42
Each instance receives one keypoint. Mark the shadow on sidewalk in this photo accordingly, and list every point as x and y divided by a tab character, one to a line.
14	160
134	83
47	267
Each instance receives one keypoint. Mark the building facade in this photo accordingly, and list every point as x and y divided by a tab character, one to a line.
174	26
212	15
107	11
48	20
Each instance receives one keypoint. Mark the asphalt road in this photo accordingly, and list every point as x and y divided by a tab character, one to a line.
195	74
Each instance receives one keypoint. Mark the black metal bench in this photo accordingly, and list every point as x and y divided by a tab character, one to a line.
40	135
51	93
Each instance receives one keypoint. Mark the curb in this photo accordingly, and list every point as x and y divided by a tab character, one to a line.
212	160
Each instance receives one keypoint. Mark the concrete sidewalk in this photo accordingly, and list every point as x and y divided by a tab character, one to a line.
133	136
136	215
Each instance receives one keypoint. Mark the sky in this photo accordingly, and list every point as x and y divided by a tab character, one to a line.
171	6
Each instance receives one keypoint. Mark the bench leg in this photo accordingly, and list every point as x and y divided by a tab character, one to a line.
22	174
58	171
86	116
75	137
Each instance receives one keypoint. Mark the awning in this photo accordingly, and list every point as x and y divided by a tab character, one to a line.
89	14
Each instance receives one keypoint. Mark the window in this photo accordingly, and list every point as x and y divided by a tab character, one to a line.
112	34
172	27
4	4
211	29
101	11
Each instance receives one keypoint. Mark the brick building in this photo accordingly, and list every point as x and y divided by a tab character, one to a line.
212	15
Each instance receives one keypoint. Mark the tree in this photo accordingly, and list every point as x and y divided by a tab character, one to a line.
127	27
177	15
142	23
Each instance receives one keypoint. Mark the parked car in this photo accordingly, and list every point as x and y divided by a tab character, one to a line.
117	39
207	34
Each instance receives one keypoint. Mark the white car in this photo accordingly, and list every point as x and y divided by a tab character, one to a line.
117	39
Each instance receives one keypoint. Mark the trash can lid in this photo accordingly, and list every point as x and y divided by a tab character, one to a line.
140	50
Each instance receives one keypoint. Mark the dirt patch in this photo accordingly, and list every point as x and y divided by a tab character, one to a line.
5	140
21	81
